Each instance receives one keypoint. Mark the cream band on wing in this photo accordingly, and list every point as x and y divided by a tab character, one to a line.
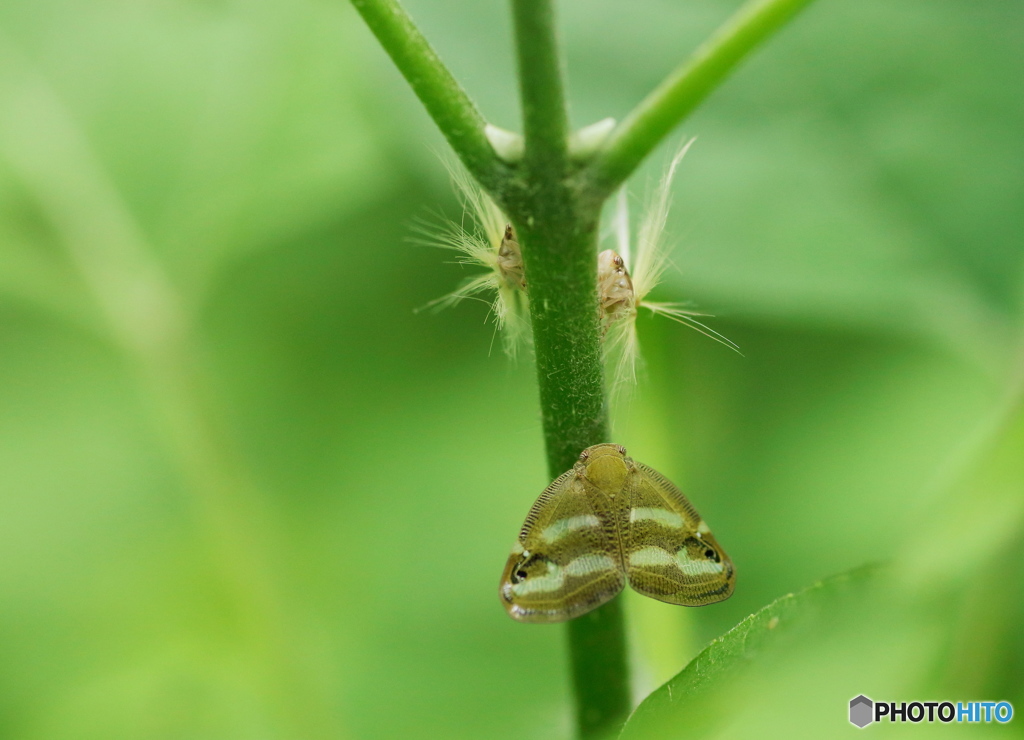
554	579
558	529
662	516
655	556
651	556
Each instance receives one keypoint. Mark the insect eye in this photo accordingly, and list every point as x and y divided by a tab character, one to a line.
520	575
711	554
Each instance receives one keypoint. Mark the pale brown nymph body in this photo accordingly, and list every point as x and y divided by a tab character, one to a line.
510	260
614	289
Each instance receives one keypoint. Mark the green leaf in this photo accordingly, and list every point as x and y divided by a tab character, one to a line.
695	699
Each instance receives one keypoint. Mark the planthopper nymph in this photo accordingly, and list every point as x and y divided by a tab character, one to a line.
625	279
487	241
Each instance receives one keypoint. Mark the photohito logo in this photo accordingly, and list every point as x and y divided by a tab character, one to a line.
864	711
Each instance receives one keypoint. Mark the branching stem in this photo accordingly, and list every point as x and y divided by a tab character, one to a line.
555	203
684	89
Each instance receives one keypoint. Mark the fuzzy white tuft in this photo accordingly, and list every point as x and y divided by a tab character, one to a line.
484	239
644	269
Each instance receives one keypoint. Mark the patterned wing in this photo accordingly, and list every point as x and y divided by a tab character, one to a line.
670	553
566	561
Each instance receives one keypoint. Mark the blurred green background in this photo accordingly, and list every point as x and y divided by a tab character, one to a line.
245	492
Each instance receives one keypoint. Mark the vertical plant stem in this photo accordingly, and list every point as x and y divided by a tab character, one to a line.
558	230
545	119
600	671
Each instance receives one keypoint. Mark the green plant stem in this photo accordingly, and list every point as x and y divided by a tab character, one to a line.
545	120
558	230
447	103
559	238
675	98
600	671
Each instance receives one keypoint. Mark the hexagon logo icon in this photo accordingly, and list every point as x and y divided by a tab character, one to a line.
861	711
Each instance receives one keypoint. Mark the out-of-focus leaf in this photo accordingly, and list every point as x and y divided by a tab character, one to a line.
983	512
985	497
221	130
692	698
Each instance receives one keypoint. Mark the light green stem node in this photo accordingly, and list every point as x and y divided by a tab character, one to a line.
586	142
508	145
